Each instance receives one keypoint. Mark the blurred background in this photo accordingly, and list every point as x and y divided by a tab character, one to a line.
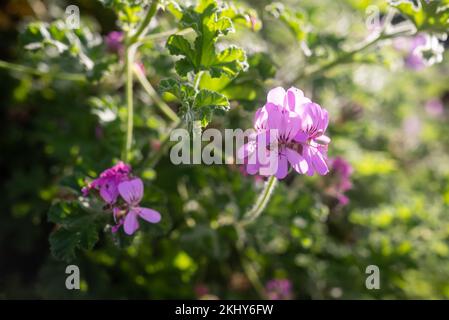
385	202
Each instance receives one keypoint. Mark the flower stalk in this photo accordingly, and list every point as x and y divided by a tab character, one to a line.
129	63
131	48
261	202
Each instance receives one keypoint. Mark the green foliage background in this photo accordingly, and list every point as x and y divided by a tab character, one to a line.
55	132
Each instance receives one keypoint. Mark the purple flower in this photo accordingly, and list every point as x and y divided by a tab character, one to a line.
411	48
341	172
435	107
107	183
132	192
289	130
279	289
114	42
420	51
122	194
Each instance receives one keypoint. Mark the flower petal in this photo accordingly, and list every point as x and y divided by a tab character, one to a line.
131	223
276	96
297	161
260	119
275	117
323	139
301	137
282	169
131	191
295	99
149	215
292	125
319	163
108	191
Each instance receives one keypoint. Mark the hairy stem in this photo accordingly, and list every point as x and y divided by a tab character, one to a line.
32	71
131	48
248	268
154	96
261	202
198	80
347	57
145	23
164	34
129	64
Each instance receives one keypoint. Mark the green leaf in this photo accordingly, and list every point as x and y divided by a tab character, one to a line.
129	12
178	45
209	24
228	62
206	102
57	35
82	49
77	229
247	88
294	20
182	91
430	17
64	243
242	15
210	99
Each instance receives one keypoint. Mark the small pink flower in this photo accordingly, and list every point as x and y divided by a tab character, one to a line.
132	192
279	289
420	51
341	172
107	183
435	108
114	42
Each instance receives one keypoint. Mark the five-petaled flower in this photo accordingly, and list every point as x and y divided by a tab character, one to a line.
132	192
122	194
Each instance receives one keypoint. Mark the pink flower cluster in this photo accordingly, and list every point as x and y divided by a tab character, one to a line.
279	289
289	130
122	193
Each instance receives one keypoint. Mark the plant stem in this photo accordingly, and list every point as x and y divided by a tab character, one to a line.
129	64
247	266
152	162
154	96
346	57
261	203
28	70
146	21
198	80
131	48
164	34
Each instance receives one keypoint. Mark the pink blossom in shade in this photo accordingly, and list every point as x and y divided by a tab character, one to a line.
341	172
201	290
107	183
279	289
132	192
298	125
435	107
114	42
